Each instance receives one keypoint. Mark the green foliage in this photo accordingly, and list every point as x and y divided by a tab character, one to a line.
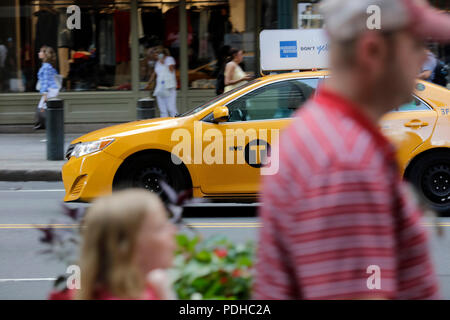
214	268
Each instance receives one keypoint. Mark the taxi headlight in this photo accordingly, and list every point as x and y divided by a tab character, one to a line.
85	148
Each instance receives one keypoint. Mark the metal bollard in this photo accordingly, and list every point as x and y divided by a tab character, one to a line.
145	108
55	129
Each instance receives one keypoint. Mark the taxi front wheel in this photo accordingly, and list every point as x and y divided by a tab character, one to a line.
431	176
147	170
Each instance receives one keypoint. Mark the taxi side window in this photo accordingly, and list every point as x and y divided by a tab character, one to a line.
274	101
414	105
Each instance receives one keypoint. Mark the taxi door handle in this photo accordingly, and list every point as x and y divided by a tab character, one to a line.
416	124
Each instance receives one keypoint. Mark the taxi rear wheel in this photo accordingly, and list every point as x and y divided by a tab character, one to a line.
147	170
431	176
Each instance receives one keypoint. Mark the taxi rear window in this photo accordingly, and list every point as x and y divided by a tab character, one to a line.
414	105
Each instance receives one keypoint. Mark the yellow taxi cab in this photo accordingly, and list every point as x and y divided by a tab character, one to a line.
219	148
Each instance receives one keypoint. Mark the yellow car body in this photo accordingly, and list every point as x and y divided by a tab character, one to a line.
416	129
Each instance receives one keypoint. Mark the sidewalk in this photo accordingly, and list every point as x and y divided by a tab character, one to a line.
23	157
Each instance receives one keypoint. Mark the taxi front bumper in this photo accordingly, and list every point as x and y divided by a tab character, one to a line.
89	176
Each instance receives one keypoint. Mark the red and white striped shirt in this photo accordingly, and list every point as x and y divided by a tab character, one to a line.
336	207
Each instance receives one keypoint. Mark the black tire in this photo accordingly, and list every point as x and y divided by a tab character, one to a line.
430	174
146	170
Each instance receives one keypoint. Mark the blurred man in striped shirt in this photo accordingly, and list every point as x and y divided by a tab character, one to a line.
338	221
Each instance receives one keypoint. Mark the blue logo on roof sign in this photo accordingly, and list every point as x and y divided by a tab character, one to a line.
288	49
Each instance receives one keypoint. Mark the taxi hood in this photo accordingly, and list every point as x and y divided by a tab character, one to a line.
129	128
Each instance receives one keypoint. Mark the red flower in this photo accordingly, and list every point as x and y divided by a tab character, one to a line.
221	253
223	280
236	273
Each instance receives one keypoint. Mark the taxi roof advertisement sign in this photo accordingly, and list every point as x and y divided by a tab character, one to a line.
293	49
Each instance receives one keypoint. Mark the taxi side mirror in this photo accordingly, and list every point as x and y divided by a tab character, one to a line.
221	114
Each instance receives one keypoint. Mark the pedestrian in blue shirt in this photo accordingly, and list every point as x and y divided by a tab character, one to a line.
429	66
48	83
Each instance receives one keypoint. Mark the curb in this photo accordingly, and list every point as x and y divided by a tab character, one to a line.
30	175
69	128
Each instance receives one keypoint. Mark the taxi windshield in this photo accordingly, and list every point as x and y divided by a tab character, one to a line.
214	100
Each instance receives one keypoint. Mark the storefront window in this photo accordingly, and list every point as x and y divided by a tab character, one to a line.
158	28
97	57
94	57
309	16
217	26
213	27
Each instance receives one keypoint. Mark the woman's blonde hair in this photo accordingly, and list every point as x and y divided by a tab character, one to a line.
49	55
107	258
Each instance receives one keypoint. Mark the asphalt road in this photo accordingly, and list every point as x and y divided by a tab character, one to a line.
27	274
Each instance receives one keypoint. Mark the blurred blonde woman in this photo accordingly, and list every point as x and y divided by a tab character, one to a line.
127	243
47	84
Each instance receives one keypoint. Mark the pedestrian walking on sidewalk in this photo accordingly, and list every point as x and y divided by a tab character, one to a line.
219	71
338	221
429	67
128	242
166	84
49	83
234	75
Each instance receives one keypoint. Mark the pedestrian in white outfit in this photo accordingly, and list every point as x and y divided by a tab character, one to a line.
166	84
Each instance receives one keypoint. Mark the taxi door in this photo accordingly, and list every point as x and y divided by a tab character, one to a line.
255	124
409	126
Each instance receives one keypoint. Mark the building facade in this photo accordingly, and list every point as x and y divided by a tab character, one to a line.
106	60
